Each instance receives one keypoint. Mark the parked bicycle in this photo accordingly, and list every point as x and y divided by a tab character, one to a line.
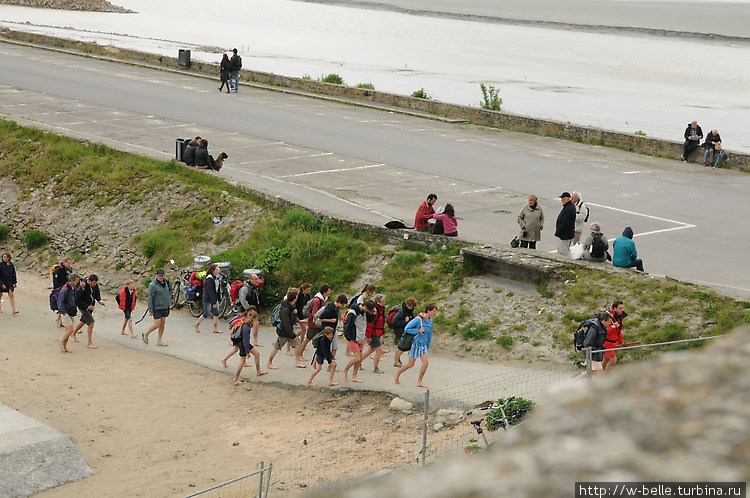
225	301
182	287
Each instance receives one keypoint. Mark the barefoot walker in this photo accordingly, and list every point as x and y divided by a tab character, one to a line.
421	328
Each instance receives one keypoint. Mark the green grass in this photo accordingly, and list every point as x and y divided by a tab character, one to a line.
421	94
4	232
35	239
332	78
366	86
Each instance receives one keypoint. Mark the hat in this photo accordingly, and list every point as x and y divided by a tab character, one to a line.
564	194
160	272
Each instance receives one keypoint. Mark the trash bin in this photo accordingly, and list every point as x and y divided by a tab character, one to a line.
179	152
183	58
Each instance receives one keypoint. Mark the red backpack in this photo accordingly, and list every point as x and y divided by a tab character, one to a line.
234	290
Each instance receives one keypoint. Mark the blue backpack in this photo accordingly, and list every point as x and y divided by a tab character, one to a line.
275	317
580	334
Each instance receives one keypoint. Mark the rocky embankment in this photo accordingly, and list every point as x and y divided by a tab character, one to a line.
82	5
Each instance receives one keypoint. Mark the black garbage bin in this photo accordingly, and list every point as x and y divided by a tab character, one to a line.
180	145
183	58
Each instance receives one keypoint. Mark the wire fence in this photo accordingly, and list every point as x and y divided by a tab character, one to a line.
256	484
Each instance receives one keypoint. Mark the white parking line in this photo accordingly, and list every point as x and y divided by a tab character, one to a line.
332	170
634	172
288	158
644	215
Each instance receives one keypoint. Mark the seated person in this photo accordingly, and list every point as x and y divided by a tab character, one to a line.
188	157
624	254
424	213
446	222
693	137
712	143
203	160
595	245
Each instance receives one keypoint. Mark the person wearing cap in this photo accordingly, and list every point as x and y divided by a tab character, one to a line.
159	298
565	227
595	245
624	254
235	64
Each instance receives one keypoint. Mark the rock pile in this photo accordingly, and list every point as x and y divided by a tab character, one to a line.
82	5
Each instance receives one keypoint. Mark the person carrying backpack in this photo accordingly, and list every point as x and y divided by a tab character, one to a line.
324	353
328	316
210	299
315	304
60	274
286	333
595	337
66	308
249	296
126	302
374	332
595	245
421	328
400	319
86	299
241	341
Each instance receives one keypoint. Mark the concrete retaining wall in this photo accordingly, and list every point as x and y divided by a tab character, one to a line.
34	457
426	108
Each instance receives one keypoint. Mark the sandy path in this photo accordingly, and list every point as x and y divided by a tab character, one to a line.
149	424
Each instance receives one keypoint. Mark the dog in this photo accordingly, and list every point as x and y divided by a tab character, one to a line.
220	160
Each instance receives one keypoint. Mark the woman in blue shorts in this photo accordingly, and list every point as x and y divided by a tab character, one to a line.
421	328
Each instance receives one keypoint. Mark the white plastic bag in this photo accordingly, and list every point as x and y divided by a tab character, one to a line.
576	251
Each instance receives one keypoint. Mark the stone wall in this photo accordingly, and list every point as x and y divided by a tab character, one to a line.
393	102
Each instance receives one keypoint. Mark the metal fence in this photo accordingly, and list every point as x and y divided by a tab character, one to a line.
242	487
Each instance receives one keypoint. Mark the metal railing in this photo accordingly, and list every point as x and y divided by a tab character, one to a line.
241	487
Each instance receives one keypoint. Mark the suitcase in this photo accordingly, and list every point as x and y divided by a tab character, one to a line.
180	148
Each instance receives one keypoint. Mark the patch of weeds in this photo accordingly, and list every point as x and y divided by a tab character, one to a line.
543	289
76	254
515	409
421	94
550	317
524	338
510	294
640	133
505	341
366	86
518	327
35	239
476	331
332	78
536	343
650	313
490	97
120	265
4	232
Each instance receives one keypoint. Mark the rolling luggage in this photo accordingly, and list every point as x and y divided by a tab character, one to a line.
180	148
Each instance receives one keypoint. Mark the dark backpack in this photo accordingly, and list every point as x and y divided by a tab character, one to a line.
235	332
580	334
391	315
53	299
350	329
597	246
354	301
275	317
316	339
307	308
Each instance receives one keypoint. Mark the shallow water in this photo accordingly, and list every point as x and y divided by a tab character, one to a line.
623	82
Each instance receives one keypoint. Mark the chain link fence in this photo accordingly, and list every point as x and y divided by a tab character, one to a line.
256	485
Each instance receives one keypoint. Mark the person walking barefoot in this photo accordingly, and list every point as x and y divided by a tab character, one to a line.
323	353
210	299
159	297
8	281
421	328
245	347
126	302
239	319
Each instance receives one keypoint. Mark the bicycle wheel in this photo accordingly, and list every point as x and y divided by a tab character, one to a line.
175	294
195	307
224	302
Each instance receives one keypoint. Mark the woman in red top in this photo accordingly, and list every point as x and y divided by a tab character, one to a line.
614	335
126	302
375	331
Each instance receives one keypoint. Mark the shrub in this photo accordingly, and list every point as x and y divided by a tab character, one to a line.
421	94
515	410
333	78
490	98
368	86
505	341
4	232
35	238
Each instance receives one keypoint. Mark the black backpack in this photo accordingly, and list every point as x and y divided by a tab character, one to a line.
597	246
580	334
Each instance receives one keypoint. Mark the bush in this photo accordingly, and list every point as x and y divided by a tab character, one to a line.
421	94
368	86
490	98
333	78
35	238
4	232
515	410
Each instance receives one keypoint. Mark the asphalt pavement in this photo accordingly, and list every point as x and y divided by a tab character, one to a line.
370	165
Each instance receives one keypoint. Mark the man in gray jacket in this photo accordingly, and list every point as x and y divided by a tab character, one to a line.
159	298
595	245
582	215
288	317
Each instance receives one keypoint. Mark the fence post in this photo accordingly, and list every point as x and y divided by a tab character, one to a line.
260	484
587	354
268	480
424	425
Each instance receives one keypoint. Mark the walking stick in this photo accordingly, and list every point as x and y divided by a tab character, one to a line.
717	159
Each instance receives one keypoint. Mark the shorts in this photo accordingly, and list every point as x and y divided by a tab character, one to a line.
209	309
241	345
356	346
281	341
320	360
87	317
334	343
67	319
311	333
610	354
161	314
375	342
596	365
417	350
127	314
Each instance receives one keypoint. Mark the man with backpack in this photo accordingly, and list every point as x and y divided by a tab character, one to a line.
66	308
86	300
614	334
596	334
595	245
210	299
355	330
249	295
398	323
285	330
159	298
60	274
328	316
235	64
315	304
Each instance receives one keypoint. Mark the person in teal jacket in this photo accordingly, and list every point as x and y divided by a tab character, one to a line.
421	328
624	253
159	299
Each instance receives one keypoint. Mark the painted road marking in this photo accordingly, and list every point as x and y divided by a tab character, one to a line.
332	170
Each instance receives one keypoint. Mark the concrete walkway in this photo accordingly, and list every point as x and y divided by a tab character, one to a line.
452	382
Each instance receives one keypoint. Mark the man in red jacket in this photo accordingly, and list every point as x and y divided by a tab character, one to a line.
424	213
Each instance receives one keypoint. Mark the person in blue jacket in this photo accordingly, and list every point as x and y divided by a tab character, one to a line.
624	253
421	328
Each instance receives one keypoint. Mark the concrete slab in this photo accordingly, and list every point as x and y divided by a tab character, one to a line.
34	457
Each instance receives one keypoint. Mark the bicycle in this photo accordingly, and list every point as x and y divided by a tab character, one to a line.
225	301
504	419
181	285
